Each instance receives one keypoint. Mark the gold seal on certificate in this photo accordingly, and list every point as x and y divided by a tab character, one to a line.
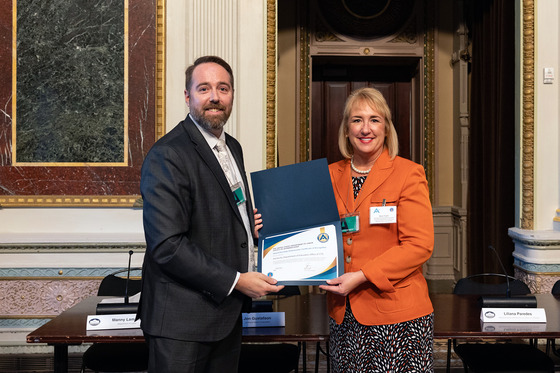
302	256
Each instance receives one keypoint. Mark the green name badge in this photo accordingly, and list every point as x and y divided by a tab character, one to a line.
238	195
350	223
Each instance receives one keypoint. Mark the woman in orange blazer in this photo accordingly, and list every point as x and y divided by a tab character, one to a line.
381	313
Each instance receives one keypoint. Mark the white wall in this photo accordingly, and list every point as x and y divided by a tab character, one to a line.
547	115
236	33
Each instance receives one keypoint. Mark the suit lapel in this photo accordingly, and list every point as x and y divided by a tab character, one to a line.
343	185
380	171
208	157
238	157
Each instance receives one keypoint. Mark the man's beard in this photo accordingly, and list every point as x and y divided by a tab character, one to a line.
214	122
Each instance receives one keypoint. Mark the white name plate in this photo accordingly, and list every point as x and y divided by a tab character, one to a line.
121	321
512	315
517	327
264	319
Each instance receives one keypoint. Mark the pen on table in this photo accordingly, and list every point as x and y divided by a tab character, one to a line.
384	201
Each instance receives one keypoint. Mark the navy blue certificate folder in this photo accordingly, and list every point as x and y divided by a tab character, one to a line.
300	242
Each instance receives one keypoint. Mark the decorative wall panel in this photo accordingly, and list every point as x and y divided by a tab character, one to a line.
213	29
42	298
536	258
78	98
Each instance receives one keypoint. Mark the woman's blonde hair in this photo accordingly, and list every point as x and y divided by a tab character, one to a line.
375	100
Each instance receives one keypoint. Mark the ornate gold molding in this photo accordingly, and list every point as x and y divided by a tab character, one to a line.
304	82
74	201
271	142
528	130
160	68
429	97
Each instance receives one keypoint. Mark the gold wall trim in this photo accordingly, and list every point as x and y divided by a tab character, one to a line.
304	94
271	31
528	130
75	201
429	97
160	67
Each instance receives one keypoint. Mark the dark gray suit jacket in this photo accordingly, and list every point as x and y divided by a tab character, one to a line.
196	240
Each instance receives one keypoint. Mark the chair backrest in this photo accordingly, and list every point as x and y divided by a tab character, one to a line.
556	288
113	285
490	284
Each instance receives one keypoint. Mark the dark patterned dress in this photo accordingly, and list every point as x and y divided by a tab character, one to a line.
402	347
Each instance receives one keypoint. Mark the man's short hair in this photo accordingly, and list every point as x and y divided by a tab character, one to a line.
206	59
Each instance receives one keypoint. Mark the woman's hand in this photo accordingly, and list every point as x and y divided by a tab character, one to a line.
258	222
344	284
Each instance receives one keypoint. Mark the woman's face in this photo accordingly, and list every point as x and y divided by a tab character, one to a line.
366	131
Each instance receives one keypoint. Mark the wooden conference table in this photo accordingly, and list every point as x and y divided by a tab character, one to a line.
456	316
306	321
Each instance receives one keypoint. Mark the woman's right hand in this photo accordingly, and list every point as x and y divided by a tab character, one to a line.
344	284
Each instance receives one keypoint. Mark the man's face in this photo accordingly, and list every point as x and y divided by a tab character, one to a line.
210	97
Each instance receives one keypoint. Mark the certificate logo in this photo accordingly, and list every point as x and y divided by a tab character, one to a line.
269	274
323	236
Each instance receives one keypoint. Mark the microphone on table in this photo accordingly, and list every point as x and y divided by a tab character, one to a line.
120	307
127	277
524	301
508	289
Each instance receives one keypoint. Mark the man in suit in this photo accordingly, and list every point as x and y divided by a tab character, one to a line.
199	228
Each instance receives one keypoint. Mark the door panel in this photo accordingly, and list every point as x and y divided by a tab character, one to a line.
332	84
327	114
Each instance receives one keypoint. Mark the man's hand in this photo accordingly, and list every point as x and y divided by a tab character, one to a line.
255	284
344	284
258	222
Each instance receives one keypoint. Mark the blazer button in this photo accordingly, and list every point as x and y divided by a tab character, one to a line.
348	259
244	245
349	241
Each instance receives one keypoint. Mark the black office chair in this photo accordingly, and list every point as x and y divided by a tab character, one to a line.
551	343
268	358
117	357
498	357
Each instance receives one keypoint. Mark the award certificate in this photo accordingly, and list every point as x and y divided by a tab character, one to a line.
309	254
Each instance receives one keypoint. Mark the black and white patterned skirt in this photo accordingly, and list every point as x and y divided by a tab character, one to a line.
401	347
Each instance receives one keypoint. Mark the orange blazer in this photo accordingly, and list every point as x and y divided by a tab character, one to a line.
390	255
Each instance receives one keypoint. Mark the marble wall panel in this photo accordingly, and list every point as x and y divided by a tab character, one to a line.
70	81
85	119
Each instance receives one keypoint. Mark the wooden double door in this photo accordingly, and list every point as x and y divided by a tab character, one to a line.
334	78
